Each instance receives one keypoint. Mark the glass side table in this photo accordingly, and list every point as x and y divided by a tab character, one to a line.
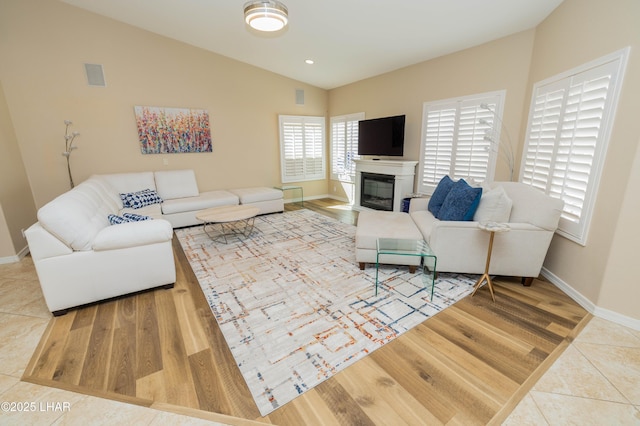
293	187
403	247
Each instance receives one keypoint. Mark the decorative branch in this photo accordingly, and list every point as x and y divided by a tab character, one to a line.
68	147
503	149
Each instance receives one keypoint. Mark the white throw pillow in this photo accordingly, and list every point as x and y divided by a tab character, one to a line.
495	206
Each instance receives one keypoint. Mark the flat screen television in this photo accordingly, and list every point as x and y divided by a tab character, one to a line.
381	136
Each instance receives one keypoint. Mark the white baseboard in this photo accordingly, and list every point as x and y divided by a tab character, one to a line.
316	197
335	197
587	304
312	197
13	259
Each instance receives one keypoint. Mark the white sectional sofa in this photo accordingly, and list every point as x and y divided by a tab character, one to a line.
461	246
81	258
182	197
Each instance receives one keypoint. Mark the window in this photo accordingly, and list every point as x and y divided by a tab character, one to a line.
302	148
570	121
344	146
458	139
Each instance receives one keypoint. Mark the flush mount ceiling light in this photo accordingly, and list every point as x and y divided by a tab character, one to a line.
266	15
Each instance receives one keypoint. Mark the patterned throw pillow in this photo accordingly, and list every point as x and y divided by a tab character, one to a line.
132	217
137	200
115	220
126	217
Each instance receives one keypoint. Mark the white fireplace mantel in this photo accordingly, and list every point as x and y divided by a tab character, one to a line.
403	172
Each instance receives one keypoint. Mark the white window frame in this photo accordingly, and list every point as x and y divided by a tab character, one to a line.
344	146
567	137
457	139
302	148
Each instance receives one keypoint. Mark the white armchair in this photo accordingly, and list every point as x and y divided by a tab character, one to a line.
462	246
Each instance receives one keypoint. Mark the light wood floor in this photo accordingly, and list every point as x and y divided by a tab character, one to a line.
470	364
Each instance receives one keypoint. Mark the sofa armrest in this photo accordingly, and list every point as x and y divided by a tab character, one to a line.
133	234
43	244
419	203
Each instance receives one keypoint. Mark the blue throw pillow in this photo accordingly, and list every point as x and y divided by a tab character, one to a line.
137	200
461	202
132	217
439	195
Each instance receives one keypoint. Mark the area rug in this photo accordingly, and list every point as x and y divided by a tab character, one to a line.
294	307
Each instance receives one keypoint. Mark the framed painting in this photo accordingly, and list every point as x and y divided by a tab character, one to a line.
173	130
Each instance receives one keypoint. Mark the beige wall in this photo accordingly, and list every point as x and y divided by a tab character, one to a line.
17	210
619	291
7	250
577	32
43	76
502	64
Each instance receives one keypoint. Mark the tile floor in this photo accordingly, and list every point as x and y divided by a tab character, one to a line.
595	381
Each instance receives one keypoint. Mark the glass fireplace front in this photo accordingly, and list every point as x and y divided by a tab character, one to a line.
376	191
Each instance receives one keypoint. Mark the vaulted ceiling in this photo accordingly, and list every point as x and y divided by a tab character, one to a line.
348	40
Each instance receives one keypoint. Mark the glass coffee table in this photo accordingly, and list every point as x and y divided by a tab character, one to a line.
403	247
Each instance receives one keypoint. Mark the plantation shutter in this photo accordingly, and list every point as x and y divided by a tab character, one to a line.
472	149
344	146
569	124
437	155
302	148
546	113
456	139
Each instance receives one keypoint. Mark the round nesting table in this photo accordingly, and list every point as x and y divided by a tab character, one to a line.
491	227
234	221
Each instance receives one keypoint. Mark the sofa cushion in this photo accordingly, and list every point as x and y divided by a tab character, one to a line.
76	216
176	184
439	195
203	201
495	206
139	199
424	220
461	202
110	193
133	234
255	195
129	182
382	224
531	205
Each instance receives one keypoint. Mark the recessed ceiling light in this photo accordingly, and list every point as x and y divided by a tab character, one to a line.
308	61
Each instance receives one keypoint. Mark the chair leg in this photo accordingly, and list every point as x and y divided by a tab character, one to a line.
361	264
412	269
527	281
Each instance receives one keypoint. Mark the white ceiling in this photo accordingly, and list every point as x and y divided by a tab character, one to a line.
349	40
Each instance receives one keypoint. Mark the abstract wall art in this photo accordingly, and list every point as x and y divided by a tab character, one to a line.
164	130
